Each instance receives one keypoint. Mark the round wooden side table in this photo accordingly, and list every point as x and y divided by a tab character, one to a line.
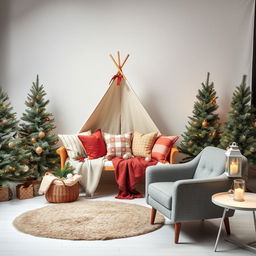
226	201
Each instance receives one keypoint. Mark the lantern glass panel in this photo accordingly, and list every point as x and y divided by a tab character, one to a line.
233	161
233	166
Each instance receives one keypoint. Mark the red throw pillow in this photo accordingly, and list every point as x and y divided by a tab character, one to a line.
94	144
162	147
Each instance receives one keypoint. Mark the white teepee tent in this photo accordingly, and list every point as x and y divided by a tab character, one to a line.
120	110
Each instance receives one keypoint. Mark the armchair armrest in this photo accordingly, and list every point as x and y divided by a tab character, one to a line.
170	172
191	198
62	152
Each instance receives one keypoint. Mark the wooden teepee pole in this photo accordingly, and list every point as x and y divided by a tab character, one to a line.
118	62
126	58
118	58
118	67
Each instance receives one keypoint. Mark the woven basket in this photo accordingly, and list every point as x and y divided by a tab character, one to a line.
24	191
62	193
36	186
5	194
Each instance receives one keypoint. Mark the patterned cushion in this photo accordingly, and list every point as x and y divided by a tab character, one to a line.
162	147
142	143
118	145
72	144
94	144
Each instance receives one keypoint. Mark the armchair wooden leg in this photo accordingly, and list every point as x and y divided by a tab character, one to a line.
227	226
153	216
177	227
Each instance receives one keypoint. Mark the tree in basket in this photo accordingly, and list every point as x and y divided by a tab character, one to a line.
12	155
203	127
37	131
241	123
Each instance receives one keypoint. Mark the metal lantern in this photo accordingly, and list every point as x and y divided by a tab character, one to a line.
233	161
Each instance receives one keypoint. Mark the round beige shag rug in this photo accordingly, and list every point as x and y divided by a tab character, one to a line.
82	220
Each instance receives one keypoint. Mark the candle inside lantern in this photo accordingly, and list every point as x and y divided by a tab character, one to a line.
234	167
239	194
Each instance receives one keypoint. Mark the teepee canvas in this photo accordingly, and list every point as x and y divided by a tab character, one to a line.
120	110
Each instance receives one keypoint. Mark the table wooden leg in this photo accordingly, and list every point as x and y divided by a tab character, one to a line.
177	227
219	232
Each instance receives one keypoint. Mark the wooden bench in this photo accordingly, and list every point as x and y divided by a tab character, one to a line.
62	152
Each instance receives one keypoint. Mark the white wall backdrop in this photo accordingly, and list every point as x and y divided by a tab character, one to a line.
172	45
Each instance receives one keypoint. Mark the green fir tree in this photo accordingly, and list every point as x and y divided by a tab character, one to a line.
203	127
37	131
241	123
12	154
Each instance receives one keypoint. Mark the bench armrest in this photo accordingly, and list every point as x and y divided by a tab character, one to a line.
174	151
62	152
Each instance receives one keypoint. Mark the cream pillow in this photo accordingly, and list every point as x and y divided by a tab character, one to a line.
142	143
72	144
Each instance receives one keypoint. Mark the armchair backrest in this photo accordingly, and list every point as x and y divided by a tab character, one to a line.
211	163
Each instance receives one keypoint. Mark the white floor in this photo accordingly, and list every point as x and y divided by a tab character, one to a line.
197	238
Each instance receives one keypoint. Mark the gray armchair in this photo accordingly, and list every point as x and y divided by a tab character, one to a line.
182	192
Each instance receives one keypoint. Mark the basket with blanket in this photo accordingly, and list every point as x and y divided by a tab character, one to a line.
61	186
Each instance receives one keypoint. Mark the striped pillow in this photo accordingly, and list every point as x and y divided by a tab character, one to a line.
72	144
162	147
117	145
142	143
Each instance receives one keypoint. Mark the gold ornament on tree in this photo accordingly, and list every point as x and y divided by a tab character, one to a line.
41	134
33	139
31	102
39	150
11	144
38	97
190	143
213	101
254	123
205	123
194	123
5	121
25	168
